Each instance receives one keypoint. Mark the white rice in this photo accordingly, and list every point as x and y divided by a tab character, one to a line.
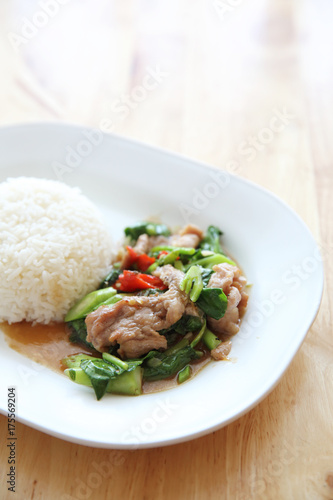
54	249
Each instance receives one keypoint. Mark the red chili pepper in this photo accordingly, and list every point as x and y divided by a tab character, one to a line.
142	261
162	252
132	256
132	281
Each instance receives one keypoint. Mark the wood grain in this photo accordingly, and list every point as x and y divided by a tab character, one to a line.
225	72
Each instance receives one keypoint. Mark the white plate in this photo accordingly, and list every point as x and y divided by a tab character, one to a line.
130	181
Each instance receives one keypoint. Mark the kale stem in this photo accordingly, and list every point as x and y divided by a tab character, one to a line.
180	250
89	302
184	374
78	376
210	340
212	260
114	360
75	360
112	300
197	339
192	283
127	383
179	265
183	343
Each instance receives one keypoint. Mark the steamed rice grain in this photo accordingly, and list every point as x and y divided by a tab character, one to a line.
54	249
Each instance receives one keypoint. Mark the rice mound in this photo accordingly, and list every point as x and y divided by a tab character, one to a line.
54	249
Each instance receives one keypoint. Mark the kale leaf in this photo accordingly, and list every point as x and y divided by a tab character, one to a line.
150	228
111	278
213	302
211	241
187	323
78	332
163	365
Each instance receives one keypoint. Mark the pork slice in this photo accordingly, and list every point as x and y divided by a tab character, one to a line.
189	236
192	229
192	310
157	241
142	244
233	283
221	351
134	321
175	301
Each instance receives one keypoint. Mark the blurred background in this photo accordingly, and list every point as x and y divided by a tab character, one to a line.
199	77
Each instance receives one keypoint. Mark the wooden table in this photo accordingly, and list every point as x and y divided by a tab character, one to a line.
221	71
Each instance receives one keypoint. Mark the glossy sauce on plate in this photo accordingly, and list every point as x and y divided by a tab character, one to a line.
45	344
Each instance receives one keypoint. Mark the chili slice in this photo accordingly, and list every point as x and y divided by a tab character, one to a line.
132	281
131	257
142	261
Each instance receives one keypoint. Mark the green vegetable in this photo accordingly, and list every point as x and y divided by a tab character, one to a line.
111	278
173	257
115	361
89	302
184	374
171	337
111	300
105	375
187	323
163	260
180	250
78	376
74	361
99	373
149	228
197	339
179	265
213	302
129	383
171	362
154	362
177	347
212	240
192	283
212	260
205	275
210	340
78	332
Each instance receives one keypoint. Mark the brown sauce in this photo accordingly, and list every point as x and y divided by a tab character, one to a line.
49	344
163	385
45	344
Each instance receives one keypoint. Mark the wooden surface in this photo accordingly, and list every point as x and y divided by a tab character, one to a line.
227	66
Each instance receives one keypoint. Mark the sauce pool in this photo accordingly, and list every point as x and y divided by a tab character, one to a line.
45	344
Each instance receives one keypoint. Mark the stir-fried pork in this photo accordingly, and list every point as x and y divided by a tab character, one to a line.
190	236
134	321
221	351
230	279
